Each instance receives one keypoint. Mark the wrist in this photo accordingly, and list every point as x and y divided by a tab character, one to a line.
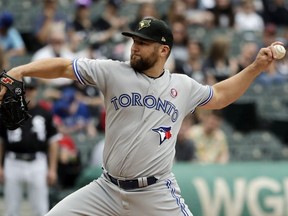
15	73
254	69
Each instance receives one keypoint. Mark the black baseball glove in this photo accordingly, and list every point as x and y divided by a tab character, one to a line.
13	107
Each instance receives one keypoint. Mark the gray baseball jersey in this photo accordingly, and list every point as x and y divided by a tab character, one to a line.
143	118
144	114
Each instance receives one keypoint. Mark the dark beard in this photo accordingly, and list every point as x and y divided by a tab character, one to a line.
141	65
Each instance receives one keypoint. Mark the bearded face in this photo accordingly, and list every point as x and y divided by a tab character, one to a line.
140	63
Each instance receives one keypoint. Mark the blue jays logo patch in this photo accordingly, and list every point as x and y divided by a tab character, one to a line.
164	133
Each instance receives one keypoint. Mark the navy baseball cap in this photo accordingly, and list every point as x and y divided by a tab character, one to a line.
154	30
6	20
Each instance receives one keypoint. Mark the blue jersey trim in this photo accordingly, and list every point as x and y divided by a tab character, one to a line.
75	69
177	198
209	97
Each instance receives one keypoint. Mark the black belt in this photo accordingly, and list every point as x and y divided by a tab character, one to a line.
133	183
25	156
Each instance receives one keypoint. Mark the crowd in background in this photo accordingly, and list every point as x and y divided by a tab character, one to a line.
213	40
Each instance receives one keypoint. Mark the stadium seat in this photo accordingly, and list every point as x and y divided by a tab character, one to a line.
264	145
272	108
235	141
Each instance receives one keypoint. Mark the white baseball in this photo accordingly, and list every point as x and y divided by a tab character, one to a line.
280	51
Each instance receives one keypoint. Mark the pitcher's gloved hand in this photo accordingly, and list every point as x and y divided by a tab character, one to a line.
13	107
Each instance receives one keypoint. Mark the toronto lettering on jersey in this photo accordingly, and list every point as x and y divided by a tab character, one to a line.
148	101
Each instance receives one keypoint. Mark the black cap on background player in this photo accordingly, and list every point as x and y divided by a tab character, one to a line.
154	30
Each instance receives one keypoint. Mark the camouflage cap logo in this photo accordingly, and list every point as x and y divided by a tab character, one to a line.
144	24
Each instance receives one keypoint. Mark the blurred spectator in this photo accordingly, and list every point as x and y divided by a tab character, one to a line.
146	9
57	47
218	65
69	162
207	4
210	140
248	51
272	76
45	19
176	9
193	66
269	34
81	27
25	153
181	37
108	27
10	38
247	19
92	97
82	23
57	44
184	148
223	14
74	114
275	11
192	12
197	15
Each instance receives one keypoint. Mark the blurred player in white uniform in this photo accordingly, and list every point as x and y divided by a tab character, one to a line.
145	107
30	158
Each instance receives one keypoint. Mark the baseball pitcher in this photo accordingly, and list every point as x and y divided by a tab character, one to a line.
145	106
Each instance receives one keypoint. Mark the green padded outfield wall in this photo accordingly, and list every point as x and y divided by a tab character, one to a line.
235	189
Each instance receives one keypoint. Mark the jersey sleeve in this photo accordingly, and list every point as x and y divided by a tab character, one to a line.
208	94
94	71
199	95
